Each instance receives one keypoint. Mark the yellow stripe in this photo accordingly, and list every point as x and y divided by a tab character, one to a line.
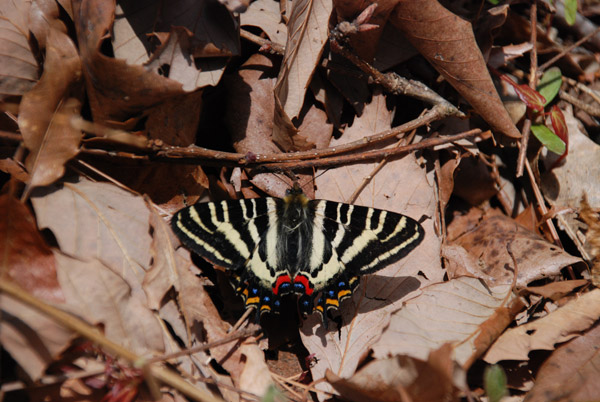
332	302
343	293
253	300
202	243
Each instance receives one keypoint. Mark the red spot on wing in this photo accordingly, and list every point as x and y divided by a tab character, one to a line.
281	280
306	282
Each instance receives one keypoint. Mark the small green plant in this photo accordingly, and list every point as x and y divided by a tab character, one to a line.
556	139
494	382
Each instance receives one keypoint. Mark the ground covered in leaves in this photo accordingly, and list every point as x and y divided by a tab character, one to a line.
478	119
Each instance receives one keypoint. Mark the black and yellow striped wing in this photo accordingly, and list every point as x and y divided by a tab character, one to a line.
316	249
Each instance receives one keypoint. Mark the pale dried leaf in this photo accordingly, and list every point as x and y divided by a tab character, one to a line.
535	257
563	324
120	237
18	67
266	15
14	169
307	36
449	312
162	274
202	35
176	53
31	338
96	293
255	376
134	20
571	373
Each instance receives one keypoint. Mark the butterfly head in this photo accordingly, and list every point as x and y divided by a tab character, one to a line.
295	208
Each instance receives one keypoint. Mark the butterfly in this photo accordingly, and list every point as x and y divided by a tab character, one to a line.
316	249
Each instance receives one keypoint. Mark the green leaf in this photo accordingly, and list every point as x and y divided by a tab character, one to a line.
548	138
550	83
494	380
570	11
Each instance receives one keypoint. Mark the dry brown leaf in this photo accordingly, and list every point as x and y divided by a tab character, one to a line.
201	31
18	67
473	181
265	14
163	272
14	169
563	324
592	237
364	43
255	376
402	378
44	15
26	259
535	257
401	186
32	339
120	237
249	112
44	113
307	36
557	290
115	89
571	373
448	43
449	312
99	295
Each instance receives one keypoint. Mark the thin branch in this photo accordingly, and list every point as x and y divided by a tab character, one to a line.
366	156
434	114
566	50
265	44
532	83
578	103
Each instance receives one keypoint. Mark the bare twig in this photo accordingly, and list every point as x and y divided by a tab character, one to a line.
532	83
589	109
365	156
265	44
566	50
583	88
198	153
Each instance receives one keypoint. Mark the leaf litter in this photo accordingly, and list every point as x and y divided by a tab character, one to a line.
500	276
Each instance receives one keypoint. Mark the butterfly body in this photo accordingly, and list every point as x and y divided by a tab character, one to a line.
316	249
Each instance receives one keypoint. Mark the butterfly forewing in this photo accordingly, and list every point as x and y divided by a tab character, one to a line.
362	240
226	233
